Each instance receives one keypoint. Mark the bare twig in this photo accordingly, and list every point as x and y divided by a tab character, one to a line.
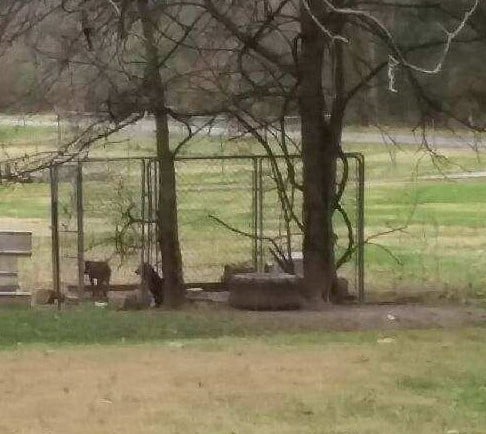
276	247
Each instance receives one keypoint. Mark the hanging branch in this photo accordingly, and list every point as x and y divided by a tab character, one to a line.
70	151
276	250
350	248
388	251
397	53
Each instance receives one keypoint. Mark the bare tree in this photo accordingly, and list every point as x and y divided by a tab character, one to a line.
298	56
127	58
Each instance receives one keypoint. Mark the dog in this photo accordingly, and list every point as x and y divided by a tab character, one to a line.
154	282
101	271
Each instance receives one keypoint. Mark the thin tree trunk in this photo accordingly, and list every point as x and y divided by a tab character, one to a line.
167	212
319	165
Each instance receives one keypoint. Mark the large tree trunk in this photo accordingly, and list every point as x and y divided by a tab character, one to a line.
167	217
319	154
167	212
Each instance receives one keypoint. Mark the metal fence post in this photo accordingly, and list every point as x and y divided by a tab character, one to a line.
143	283
142	214
150	216
80	224
254	212
360	223
260	215
156	192
55	232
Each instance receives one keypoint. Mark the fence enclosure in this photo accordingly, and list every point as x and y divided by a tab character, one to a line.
228	209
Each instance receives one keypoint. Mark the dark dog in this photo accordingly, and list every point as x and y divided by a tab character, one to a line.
101	271
153	281
54	296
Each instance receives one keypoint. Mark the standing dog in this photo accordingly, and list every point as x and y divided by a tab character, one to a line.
154	282
101	271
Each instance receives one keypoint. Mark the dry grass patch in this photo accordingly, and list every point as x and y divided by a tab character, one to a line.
420	382
159	389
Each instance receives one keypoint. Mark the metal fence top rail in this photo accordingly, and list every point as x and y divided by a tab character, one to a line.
76	160
198	157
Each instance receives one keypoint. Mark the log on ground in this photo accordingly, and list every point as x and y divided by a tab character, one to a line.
264	291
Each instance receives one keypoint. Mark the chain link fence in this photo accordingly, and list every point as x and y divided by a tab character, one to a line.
229	212
211	192
94	199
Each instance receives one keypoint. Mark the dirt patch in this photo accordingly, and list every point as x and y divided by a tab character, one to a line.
361	317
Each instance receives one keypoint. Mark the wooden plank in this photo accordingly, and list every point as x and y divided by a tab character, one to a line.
9	289
8	280
87	288
207	286
16	243
15	253
15	299
8	264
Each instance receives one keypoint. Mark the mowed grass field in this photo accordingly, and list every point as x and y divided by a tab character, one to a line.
199	375
439	250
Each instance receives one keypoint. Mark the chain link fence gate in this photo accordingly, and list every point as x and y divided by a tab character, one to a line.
228	210
91	204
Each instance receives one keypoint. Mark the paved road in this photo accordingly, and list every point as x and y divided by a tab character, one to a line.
220	128
435	141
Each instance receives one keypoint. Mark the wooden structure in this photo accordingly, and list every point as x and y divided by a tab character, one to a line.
13	245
